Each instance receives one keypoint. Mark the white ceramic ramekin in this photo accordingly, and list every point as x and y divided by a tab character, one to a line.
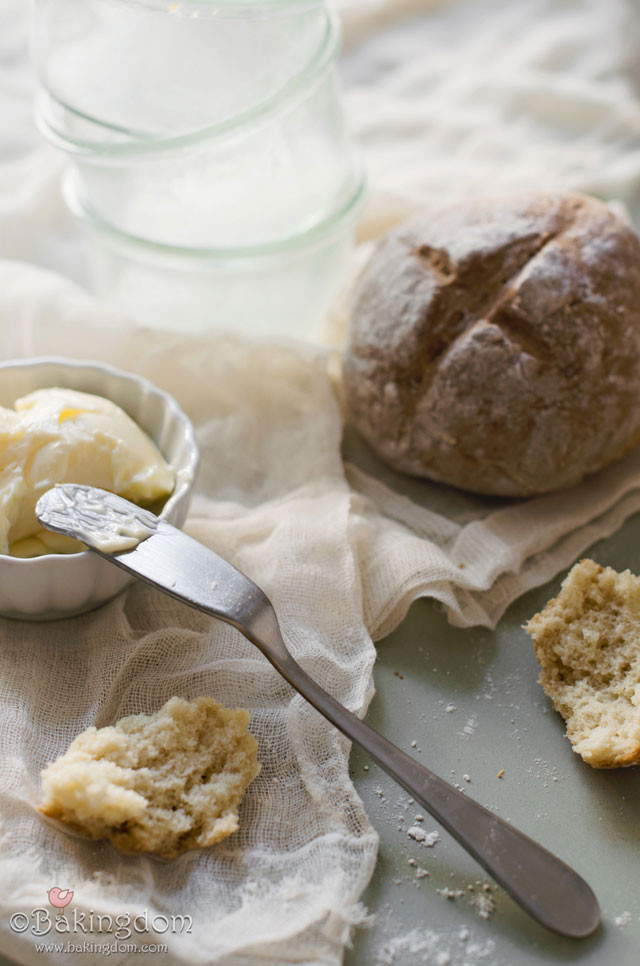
61	585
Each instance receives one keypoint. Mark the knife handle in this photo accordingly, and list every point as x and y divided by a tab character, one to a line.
542	884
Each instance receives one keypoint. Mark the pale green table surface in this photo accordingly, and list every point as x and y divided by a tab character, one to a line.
502	720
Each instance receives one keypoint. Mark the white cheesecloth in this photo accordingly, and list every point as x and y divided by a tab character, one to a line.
466	97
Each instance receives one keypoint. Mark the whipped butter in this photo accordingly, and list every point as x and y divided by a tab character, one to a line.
65	436
101	520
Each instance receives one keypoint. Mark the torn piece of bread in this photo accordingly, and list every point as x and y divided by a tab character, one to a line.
587	642
160	783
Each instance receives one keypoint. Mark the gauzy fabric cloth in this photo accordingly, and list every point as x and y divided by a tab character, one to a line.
447	99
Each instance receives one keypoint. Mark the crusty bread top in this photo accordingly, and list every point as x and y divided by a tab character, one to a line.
495	344
160	783
587	642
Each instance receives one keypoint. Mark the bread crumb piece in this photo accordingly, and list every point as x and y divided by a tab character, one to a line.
428	839
450	893
586	642
160	783
417	833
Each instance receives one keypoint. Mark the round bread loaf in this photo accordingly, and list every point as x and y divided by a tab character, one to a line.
495	345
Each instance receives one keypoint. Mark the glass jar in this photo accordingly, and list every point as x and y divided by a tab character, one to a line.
164	68
259	178
285	287
211	165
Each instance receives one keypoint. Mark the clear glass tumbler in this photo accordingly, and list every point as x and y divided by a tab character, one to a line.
283	288
211	164
161	68
250	181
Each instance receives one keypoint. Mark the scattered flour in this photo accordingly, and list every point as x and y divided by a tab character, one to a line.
470	727
623	920
425	946
484	904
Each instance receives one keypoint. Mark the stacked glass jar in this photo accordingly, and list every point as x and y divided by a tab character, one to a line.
210	159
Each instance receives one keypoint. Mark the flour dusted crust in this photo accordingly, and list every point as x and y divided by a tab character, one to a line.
495	345
587	642
160	783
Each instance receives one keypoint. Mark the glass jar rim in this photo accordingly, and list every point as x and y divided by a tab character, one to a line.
310	238
287	95
172	6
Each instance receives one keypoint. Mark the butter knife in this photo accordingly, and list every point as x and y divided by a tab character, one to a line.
165	557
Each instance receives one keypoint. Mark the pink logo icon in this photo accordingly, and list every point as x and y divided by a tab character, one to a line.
59	898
